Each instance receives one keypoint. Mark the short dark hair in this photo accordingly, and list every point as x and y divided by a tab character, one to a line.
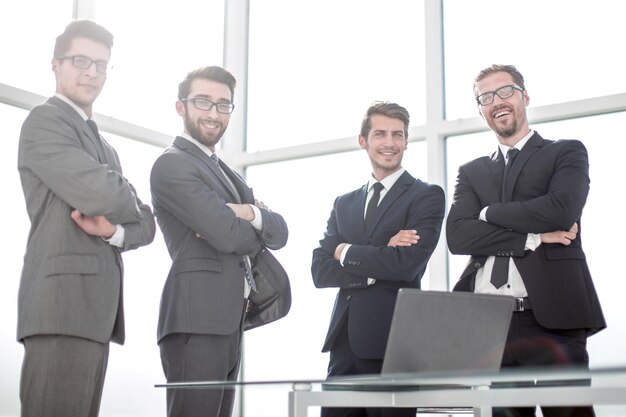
518	78
82	28
213	73
388	109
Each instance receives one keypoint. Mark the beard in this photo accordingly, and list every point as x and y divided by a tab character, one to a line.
207	139
507	131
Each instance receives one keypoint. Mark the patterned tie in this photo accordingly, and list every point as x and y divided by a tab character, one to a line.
369	213
500	272
245	263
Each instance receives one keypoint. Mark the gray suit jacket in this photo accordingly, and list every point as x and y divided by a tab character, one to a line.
205	287
72	282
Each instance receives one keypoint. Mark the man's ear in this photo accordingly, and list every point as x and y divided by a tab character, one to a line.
526	97
362	142
180	108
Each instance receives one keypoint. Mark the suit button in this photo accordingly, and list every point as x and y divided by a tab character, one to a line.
269	235
477	265
241	264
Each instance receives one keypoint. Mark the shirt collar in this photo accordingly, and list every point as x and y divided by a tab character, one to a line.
519	145
80	111
200	145
387	182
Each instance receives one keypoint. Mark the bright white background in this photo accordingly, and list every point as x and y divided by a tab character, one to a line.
314	69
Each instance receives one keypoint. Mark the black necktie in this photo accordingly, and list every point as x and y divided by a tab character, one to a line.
511	154
369	213
500	272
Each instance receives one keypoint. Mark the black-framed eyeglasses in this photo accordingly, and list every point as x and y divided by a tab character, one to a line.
82	62
205	104
503	92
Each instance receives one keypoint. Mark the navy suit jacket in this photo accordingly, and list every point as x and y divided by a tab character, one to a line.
367	310
547	189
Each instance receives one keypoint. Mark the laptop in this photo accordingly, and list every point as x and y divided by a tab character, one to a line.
435	331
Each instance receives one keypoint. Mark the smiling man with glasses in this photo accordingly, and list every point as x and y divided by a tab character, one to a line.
517	213
215	230
84	213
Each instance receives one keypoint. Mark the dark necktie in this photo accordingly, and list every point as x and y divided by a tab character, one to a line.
94	128
500	272
371	207
98	142
247	265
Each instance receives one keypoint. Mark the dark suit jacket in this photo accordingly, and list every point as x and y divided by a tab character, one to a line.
409	204
72	282
547	187
205	286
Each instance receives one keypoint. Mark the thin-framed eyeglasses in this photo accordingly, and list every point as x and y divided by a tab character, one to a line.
205	104
503	92
82	62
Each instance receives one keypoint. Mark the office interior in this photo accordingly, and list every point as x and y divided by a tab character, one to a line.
306	72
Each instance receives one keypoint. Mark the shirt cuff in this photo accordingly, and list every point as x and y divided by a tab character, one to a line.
370	281
257	223
118	237
342	257
533	240
483	214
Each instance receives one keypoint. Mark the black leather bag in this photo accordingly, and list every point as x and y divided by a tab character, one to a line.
272	300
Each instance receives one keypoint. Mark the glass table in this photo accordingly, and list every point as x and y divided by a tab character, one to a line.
453	392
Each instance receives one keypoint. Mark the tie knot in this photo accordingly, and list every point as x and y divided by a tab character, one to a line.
512	153
94	127
214	157
377	187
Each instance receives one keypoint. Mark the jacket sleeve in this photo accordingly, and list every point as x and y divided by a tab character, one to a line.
466	234
51	149
402	263
558	207
139	233
326	271
185	191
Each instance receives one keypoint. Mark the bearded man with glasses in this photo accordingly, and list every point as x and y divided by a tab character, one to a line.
215	230
517	213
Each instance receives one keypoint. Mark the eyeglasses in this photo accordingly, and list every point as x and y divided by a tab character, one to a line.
506	91
206	105
82	62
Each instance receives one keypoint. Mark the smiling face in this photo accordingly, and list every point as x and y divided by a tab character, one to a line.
506	117
206	126
81	86
385	145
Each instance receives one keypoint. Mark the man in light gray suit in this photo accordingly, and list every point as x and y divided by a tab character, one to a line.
213	227
83	214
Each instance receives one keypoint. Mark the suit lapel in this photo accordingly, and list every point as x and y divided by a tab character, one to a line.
402	184
92	145
191	148
496	165
532	146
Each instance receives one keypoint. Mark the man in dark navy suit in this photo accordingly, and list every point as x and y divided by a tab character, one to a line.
379	239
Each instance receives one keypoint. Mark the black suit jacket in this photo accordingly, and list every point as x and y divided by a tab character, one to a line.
409	204
547	190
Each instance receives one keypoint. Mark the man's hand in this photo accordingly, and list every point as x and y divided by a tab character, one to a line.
338	251
560	236
94	225
404	238
262	205
243	211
